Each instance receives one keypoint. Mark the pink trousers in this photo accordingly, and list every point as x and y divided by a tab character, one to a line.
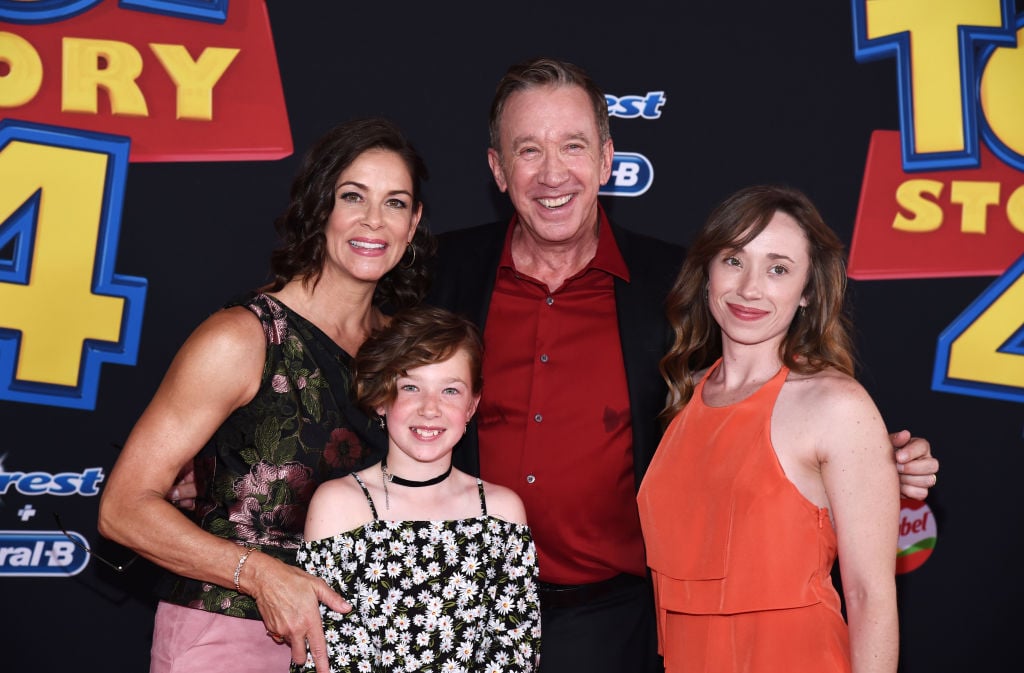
187	640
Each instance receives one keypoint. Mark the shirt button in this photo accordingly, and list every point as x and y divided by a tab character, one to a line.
549	301
530	479
544	357
538	418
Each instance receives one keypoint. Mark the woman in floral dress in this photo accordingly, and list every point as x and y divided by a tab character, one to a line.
258	398
439	566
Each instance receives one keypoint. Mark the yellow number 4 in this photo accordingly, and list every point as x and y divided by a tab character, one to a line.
982	352
63	311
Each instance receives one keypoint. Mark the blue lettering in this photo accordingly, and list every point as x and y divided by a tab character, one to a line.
653	103
34	483
8	478
630	107
90	478
64	483
632	175
42	553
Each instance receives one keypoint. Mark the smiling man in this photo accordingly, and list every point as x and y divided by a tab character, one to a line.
572	309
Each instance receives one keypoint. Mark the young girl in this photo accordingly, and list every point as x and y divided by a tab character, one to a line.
439	566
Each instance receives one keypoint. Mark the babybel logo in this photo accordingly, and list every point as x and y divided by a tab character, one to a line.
41	554
918	533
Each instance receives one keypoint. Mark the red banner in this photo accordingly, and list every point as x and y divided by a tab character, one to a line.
180	88
966	222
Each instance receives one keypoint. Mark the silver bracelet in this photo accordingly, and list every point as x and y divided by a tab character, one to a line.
241	562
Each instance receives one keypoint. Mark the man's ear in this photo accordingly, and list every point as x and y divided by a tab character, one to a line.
607	157
494	161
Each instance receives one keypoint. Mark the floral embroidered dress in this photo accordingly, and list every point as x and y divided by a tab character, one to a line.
430	595
257	473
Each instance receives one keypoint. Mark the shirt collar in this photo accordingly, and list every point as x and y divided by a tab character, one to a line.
608	258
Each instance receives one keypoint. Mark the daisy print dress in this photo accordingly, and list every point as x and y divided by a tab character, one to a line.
431	596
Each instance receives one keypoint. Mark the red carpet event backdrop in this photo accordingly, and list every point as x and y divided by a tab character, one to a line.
147	145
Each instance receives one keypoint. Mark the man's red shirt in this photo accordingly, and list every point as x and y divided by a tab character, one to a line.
554	421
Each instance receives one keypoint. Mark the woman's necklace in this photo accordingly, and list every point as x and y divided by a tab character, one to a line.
386	478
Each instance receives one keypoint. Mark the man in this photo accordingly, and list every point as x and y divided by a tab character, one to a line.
572	312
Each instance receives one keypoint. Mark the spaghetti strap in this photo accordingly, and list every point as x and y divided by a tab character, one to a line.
483	501
369	500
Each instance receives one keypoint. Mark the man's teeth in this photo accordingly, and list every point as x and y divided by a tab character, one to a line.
427	434
554	203
366	245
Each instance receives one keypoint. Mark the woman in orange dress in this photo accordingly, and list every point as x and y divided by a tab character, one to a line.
774	461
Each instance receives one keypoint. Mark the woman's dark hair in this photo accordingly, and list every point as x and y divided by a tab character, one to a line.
818	337
302	225
415	337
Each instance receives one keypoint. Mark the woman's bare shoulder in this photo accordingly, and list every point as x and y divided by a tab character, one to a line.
836	398
829	382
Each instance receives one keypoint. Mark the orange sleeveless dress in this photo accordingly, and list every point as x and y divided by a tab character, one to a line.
741	560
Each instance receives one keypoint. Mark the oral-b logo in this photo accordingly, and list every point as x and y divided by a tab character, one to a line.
41	554
632	175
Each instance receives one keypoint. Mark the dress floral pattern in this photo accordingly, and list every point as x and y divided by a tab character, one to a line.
256	475
437	596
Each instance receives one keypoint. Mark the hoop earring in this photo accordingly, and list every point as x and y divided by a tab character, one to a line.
413	260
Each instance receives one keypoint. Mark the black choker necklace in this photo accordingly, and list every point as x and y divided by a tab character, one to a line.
386	477
395	479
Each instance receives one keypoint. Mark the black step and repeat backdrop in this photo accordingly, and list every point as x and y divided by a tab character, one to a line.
145	148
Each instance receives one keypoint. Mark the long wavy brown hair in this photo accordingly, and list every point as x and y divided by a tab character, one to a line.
819	336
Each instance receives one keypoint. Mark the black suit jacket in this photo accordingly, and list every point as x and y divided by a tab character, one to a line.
464	275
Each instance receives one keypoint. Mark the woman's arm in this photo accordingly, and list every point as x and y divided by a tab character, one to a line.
861	483
217	370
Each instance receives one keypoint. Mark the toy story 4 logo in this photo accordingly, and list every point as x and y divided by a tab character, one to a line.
944	196
87	86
